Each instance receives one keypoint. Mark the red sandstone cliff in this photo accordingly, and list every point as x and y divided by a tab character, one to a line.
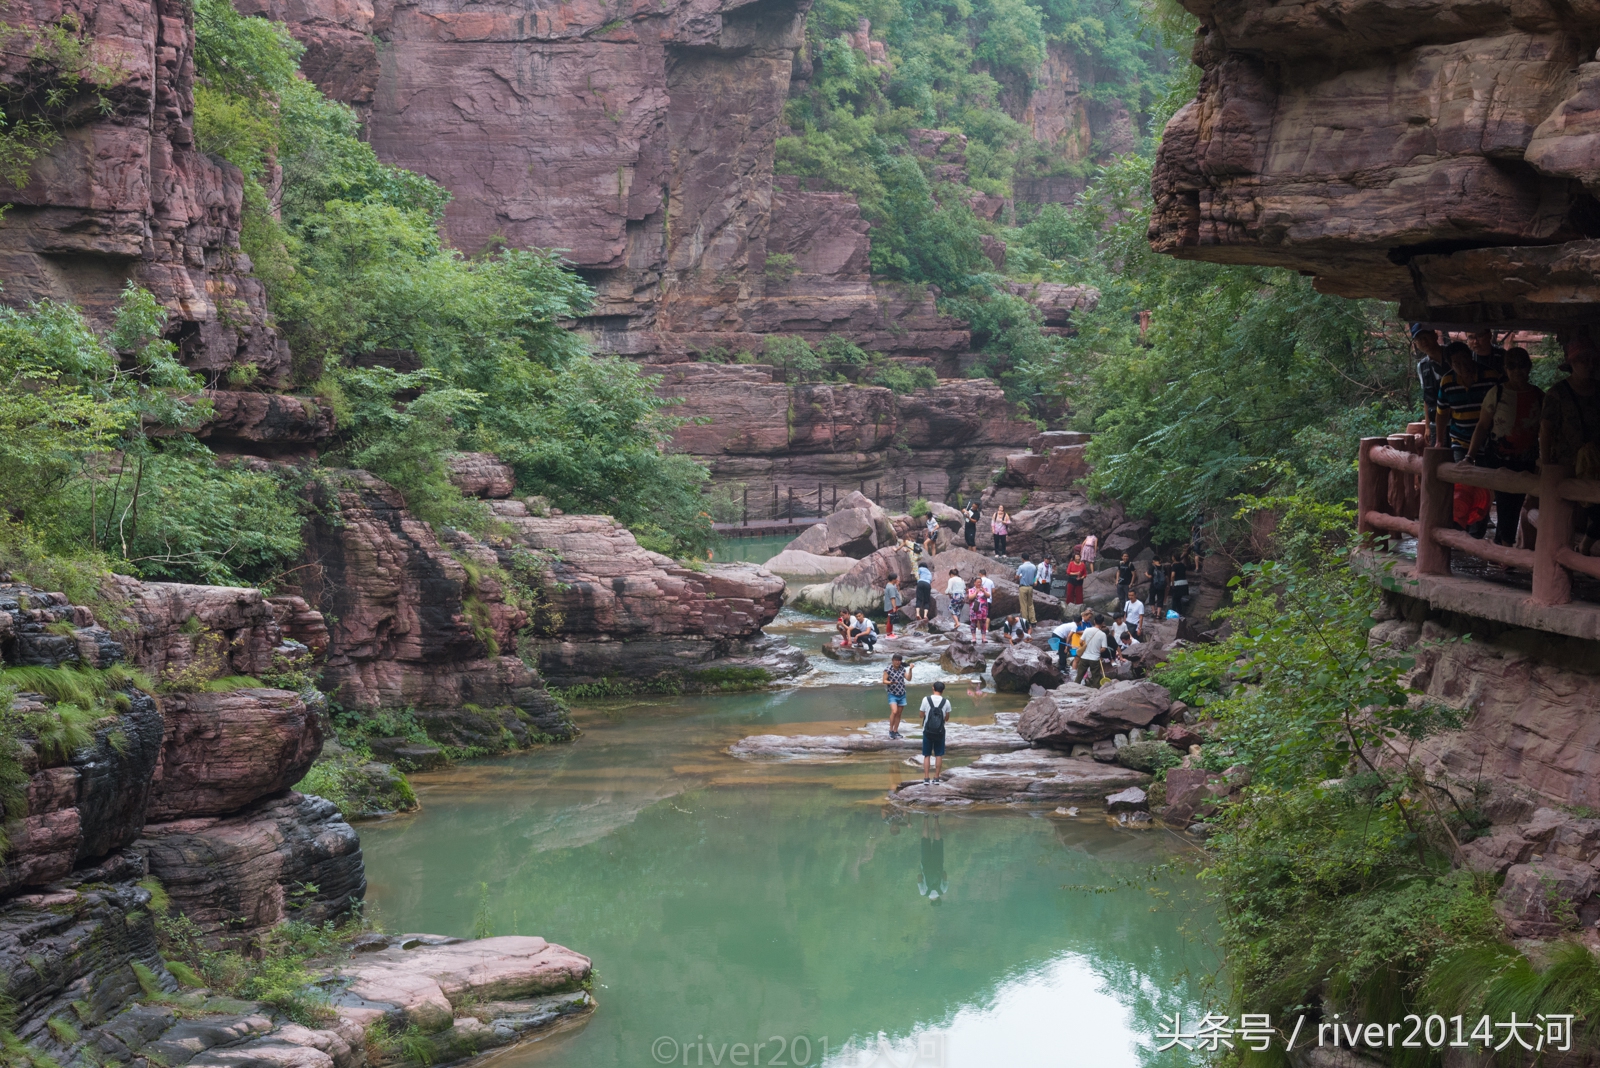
1441	155
125	195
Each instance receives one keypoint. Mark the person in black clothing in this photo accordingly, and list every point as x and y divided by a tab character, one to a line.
1180	583
969	530
1158	587
1127	571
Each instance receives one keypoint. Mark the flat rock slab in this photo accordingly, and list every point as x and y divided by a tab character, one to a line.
423	976
1025	777
997	737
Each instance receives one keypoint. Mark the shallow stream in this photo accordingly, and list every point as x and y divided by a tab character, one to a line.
728	903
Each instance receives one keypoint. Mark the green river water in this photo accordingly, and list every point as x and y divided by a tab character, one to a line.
727	901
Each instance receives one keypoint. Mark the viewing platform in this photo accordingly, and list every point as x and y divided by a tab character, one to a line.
1405	496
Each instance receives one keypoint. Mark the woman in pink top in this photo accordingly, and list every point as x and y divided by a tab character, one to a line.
1090	544
998	526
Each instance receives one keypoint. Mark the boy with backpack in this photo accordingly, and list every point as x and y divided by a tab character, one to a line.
935	711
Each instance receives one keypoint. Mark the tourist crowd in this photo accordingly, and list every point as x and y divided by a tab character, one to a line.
1478	401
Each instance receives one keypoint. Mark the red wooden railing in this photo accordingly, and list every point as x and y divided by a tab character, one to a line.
1405	487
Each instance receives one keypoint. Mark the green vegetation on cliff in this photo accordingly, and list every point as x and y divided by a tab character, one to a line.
95	456
969	68
354	264
1246	382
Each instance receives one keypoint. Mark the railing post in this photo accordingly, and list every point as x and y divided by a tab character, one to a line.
1372	483
1433	513
1402	487
747	504
1551	583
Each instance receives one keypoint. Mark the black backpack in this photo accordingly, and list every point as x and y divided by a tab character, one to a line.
936	714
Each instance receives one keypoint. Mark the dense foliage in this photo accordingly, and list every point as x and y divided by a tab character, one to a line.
1246	381
1335	870
968	68
94	454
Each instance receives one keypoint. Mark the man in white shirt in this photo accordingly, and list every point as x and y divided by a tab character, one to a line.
1090	652
1133	611
956	590
986	582
863	632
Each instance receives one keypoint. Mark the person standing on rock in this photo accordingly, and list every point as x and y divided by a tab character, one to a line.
1461	393
1158	587
978	615
1091	546
1485	353
1027	575
1091	654
924	591
956	590
895	677
1180	583
969	530
1133	611
1076	570
1127	570
930	537
986	582
935	709
1046	575
1569	429
999	526
891	602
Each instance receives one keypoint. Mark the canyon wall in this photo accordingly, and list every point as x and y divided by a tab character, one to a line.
125	195
1442	155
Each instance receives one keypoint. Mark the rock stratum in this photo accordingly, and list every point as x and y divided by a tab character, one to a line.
1442	155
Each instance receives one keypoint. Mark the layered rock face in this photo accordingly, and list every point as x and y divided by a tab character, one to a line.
193	784
1440	155
748	426
125	195
1529	698
416	621
640	139
615	610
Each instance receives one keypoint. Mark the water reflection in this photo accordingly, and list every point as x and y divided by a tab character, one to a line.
734	901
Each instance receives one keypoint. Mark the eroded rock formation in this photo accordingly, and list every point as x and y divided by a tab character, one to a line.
615	610
125	194
1441	155
749	426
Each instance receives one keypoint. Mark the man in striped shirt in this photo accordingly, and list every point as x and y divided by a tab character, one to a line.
1461	393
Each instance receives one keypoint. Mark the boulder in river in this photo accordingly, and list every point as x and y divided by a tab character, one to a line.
1075	714
857	528
962	658
1022	667
1131	799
